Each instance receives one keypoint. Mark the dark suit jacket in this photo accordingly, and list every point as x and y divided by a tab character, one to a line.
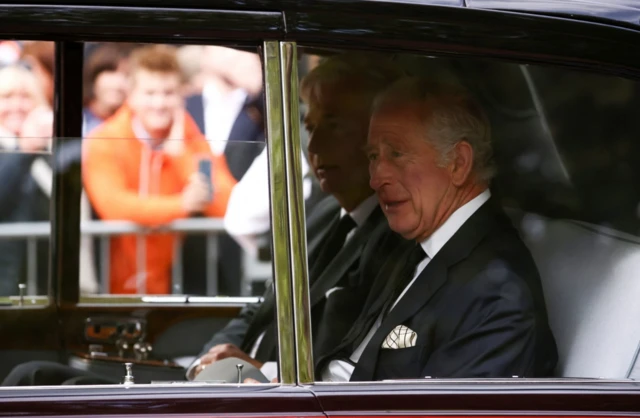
477	308
343	272
246	139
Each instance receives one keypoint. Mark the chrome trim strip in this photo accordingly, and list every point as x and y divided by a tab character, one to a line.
122	300
163	299
279	211
297	232
224	300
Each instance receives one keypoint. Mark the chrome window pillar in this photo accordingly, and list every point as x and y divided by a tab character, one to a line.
287	213
297	231
276	149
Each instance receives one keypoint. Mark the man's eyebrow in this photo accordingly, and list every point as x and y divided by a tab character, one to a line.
367	148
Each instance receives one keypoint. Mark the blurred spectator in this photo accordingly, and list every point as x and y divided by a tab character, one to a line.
150	176
105	83
9	52
26	124
189	57
19	96
230	107
230	110
40	56
248	217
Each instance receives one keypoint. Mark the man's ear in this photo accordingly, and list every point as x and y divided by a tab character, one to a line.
462	163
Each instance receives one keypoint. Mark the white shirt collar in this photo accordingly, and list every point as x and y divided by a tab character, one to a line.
439	238
361	213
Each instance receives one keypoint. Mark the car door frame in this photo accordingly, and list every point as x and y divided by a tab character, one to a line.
527	38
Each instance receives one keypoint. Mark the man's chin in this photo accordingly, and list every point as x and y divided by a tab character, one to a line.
401	229
325	186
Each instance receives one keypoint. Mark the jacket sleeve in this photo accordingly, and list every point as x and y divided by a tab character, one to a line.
235	331
106	187
496	337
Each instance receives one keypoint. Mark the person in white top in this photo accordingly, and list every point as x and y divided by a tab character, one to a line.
460	295
231	76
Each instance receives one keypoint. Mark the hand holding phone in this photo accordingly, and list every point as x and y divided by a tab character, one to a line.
198	193
205	167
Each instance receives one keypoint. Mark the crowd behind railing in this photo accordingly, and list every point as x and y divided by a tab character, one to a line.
101	231
175	197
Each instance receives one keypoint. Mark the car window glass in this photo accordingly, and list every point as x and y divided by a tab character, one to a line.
174	172
477	218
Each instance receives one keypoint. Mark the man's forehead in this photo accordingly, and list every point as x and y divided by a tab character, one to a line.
334	102
144	76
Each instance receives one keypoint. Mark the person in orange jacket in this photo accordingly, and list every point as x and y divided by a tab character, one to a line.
141	165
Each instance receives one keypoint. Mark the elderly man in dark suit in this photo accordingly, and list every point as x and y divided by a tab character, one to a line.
339	93
460	295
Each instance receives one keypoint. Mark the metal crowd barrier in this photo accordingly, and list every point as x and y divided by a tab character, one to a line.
34	231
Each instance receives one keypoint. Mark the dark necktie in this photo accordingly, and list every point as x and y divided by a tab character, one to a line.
394	288
405	276
331	246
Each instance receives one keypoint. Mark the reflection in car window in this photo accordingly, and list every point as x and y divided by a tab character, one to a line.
508	229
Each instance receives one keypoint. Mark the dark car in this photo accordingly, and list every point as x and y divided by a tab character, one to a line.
559	81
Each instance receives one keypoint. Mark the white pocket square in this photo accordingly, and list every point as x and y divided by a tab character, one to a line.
400	337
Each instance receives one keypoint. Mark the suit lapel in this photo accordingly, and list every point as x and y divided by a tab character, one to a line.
352	250
390	268
262	318
427	284
316	232
326	212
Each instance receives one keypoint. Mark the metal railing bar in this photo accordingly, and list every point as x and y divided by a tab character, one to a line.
110	228
224	300
104	230
32	266
212	265
177	284
105	264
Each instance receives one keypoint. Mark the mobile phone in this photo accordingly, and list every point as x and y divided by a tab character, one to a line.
204	167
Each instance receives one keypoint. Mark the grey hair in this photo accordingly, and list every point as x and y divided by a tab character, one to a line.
450	115
363	73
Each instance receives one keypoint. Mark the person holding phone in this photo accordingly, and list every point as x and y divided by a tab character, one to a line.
150	164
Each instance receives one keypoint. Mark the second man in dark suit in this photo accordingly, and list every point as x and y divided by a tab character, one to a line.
339	93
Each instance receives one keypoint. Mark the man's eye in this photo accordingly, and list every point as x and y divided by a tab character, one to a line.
372	156
396	154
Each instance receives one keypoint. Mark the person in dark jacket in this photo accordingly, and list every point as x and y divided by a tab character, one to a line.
25	133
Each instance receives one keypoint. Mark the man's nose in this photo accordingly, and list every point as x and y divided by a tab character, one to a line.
315	143
379	174
158	101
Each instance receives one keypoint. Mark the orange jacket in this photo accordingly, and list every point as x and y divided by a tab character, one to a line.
126	179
